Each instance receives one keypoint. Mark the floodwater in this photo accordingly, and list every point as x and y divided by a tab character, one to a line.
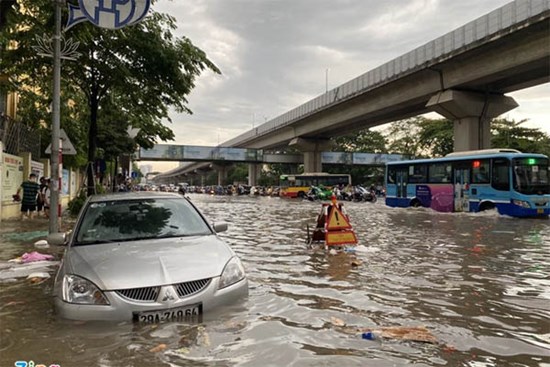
479	284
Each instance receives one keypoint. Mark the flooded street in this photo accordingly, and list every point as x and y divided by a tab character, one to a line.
480	283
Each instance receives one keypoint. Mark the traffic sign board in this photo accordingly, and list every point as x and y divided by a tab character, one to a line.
337	220
66	146
335	238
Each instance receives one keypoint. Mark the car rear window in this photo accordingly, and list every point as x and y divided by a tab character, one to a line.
127	220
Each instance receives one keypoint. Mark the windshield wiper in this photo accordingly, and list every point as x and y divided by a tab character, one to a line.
170	235
94	242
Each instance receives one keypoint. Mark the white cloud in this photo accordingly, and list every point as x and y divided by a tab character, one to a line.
274	54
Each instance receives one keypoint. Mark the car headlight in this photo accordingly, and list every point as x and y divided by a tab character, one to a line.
81	291
232	273
523	204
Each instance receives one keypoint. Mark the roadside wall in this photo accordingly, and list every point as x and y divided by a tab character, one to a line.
15	169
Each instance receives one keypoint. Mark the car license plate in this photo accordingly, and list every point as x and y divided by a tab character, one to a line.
540	211
185	313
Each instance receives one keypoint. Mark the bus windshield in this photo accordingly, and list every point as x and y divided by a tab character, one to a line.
531	176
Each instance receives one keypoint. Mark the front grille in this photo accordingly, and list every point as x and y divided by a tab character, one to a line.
148	294
189	288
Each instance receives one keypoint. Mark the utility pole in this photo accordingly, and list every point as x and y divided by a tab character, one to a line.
56	148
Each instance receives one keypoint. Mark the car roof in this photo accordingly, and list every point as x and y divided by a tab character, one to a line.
134	196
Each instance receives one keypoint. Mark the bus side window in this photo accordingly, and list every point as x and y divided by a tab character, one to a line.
480	174
501	175
439	173
391	175
418	173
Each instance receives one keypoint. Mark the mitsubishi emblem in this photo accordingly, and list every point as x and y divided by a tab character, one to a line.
168	295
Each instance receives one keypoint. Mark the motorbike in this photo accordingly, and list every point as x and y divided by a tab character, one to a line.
359	193
318	193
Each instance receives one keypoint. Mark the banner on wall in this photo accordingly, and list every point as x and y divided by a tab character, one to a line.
65	182
12	175
73	182
37	168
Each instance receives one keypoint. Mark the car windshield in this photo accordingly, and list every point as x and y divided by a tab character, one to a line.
531	176
128	220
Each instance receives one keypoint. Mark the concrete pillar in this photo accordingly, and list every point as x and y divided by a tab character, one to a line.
312	149
222	173
254	173
472	113
199	176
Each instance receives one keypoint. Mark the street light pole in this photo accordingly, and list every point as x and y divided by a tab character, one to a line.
56	148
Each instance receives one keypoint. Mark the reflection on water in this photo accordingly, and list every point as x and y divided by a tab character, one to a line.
479	282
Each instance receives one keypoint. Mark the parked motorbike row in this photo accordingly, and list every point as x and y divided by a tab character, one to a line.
355	193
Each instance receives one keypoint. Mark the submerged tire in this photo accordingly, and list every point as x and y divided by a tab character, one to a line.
416	203
486	206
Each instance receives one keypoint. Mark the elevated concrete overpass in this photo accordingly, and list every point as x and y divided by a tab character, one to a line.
223	157
462	75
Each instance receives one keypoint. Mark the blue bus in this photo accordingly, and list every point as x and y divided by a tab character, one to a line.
516	184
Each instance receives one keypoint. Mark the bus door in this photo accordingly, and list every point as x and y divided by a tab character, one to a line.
401	178
461	188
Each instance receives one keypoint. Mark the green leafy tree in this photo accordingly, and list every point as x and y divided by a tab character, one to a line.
132	76
237	173
364	141
435	136
510	134
367	141
420	136
402	137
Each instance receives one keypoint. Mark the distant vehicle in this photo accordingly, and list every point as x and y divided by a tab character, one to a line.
293	186
319	193
145	257
516	184
359	193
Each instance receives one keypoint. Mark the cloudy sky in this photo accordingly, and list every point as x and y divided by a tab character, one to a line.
277	54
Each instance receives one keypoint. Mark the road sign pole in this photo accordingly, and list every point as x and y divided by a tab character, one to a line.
55	181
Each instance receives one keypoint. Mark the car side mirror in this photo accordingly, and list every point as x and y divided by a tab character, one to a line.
57	239
220	227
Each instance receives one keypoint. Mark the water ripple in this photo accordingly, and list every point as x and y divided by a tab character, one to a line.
479	283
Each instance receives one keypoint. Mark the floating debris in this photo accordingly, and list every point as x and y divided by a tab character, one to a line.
15	268
41	244
158	348
337	322
37	278
34	256
413	333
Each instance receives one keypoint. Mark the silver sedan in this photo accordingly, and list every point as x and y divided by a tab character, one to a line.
146	257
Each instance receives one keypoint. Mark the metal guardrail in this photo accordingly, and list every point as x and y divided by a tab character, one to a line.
18	137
